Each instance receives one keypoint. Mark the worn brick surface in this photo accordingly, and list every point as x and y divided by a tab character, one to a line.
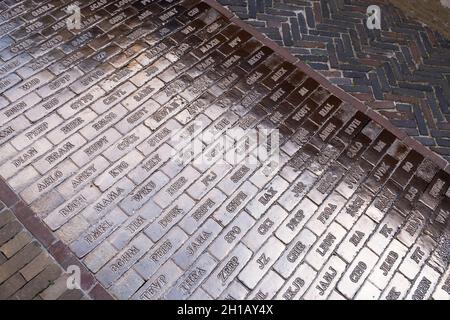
27	270
113	140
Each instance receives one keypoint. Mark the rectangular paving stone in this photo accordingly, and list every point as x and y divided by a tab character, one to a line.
59	152
48	105
80	102
236	202
297	190
178	184
202	210
103	122
34	82
127	285
354	208
227	270
159	137
49	181
326	280
237	176
262	230
131	227
71	125
199	241
156	286
294	253
266	197
6	152
37	131
356	238
113	98
19	260
108	199
97	232
384	233
397	289
267	288
11	110
357	272
98	257
124	260
124	145
235	291
326	213
325	246
208	180
144	192
442	289
13	128
151	163
36	266
298	283
137	117
63	80
368	292
73	206
416	257
161	252
192	278
82	177
388	264
263	259
118	170
11	247
94	148
169	217
231	235
295	220
22	159
166	111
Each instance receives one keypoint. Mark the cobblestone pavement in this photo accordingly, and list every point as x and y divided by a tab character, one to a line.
351	209
27	270
402	71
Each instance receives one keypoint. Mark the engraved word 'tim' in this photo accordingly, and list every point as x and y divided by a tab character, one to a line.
374	17
74	280
74	20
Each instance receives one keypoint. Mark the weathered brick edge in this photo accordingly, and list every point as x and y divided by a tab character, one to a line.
56	248
341	94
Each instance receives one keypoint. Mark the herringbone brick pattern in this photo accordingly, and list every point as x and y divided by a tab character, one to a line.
402	71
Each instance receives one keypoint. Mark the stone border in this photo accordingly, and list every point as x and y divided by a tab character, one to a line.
56	248
338	92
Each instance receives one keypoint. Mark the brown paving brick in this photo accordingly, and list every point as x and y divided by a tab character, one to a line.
36	266
10	286
9	230
19	260
99	293
16	243
2	258
6	216
56	289
38	283
7	196
71	295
